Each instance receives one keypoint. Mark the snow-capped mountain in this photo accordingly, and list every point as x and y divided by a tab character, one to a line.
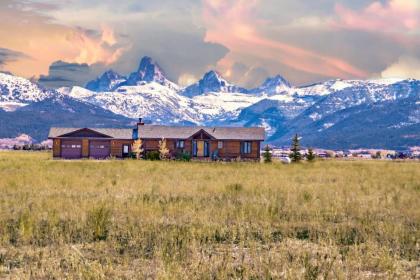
151	101
335	113
16	92
211	82
149	71
162	104
273	85
389	124
36	118
109	81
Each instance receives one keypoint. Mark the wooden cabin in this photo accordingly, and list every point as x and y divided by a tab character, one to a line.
212	143
224	143
98	143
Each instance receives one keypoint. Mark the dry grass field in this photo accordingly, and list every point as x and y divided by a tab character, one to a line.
173	220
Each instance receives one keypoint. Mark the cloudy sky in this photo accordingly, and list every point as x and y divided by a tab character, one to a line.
69	42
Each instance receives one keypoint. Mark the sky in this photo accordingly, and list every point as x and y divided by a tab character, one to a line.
69	42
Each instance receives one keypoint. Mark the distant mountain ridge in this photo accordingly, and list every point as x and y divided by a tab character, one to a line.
109	81
335	113
212	81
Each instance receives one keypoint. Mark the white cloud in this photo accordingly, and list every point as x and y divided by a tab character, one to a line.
186	79
405	67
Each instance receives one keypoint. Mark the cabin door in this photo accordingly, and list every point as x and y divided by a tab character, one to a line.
200	148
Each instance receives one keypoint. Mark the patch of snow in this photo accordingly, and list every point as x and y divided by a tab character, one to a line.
270	130
315	116
218	103
282	97
12	106
340	85
77	92
328	125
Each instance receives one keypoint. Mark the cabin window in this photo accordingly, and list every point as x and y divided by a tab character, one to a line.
180	144
246	147
125	149
220	145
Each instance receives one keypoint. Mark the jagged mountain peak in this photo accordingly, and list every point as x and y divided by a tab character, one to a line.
148	64
108	81
213	74
277	80
212	81
112	74
147	72
273	85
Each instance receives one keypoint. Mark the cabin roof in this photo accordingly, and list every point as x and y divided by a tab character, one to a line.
117	133
185	132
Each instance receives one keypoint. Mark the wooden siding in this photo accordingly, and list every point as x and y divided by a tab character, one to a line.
231	148
117	147
85	148
150	145
57	148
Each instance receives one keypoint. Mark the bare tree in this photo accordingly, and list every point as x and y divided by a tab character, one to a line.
137	148
163	149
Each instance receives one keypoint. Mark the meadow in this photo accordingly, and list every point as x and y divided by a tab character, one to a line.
178	220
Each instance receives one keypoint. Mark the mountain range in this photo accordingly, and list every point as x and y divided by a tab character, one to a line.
338	114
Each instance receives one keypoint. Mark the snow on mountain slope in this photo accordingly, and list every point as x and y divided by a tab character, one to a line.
152	101
365	92
222	105
211	82
213	99
328	87
272	86
161	104
17	92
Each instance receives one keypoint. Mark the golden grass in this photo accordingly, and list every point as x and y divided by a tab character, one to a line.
137	219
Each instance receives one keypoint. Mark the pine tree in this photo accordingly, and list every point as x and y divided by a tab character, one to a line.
267	154
163	149
311	155
296	155
137	148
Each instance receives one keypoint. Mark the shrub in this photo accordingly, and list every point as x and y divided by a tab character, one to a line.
184	156
267	154
303	233
296	155
98	223
153	155
310	156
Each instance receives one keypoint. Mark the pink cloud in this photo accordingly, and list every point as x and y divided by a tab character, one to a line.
394	16
92	50
234	24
